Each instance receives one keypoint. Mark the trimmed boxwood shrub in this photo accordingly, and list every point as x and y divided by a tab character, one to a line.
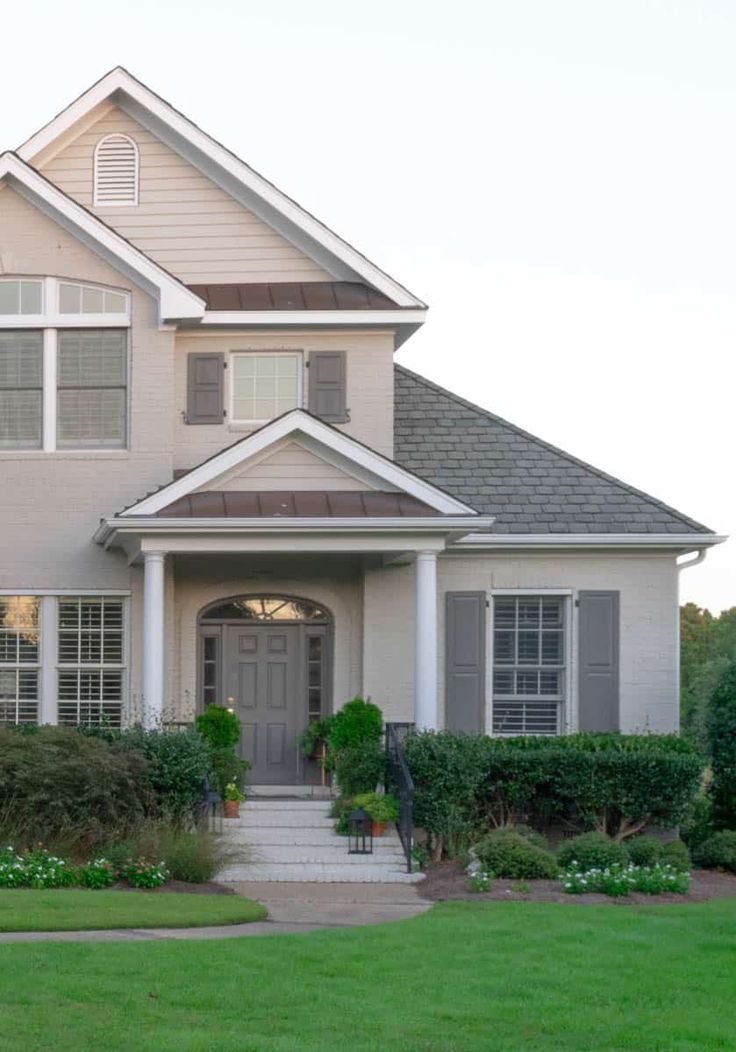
176	769
219	725
360	768
506	853
645	850
718	851
355	724
615	783
676	854
592	851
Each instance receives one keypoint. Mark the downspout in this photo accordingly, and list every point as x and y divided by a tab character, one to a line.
695	561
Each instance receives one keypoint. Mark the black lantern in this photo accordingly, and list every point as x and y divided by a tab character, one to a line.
360	833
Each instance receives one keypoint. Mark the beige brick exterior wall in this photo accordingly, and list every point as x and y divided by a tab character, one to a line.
648	630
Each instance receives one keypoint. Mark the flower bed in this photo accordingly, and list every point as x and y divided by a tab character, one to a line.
41	869
619	880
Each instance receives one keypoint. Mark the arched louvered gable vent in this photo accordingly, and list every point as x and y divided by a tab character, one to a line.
116	171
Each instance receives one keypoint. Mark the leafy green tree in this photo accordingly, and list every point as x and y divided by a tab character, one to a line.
721	726
707	647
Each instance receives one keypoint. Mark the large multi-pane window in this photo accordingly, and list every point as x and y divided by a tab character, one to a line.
264	385
91	673
528	664
19	659
63	365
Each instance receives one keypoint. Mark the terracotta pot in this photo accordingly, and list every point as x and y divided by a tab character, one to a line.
231	808
379	828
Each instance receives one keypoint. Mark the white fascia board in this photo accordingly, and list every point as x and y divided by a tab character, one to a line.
557	541
321	318
174	298
444	526
295	423
119	80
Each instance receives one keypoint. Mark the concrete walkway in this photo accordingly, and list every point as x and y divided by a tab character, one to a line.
291	908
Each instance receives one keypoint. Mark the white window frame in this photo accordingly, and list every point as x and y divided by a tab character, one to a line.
49	665
28	666
565	721
49	322
281	352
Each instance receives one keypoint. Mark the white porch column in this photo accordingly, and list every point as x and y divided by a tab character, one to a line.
153	638
426	715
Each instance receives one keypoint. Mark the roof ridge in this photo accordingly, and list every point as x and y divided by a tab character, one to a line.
551	448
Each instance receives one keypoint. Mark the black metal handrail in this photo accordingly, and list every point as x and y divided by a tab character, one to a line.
399	782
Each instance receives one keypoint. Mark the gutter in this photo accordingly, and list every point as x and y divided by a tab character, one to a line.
683	542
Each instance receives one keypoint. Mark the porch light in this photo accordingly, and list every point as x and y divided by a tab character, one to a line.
360	833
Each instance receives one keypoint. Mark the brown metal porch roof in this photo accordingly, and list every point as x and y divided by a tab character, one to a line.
291	295
274	504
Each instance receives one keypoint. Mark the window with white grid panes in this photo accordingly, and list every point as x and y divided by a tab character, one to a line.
528	664
19	659
91	658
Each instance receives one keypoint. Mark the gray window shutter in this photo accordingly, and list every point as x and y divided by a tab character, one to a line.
598	614
465	661
205	388
327	386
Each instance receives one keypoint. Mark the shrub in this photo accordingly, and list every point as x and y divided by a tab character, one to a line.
531	835
697	825
55	780
592	851
721	730
194	855
177	766
360	768
98	873
35	869
505	853
381	808
142	874
645	850
676	854
718	851
355	724
227	768
220	726
479	882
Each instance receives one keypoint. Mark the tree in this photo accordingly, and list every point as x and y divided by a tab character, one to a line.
707	647
721	727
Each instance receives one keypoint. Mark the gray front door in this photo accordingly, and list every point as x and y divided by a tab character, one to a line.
264	686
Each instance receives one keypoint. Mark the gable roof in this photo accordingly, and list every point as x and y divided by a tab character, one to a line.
338	257
176	301
299	423
530	486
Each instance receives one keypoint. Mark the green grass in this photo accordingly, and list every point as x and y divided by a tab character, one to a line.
466	976
69	910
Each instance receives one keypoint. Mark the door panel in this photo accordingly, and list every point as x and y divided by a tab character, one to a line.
266	688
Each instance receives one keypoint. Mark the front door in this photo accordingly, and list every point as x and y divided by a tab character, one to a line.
264	686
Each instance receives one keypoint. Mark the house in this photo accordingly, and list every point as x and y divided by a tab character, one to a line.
218	486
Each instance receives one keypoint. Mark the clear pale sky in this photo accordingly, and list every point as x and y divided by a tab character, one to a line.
556	178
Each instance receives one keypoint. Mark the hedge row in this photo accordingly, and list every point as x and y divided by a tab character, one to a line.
615	783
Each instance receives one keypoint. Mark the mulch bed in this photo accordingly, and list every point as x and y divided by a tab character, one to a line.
448	882
210	888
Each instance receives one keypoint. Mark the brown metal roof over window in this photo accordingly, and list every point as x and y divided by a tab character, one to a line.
291	295
277	504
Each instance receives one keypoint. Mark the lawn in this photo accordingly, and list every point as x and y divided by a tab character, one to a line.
466	976
67	910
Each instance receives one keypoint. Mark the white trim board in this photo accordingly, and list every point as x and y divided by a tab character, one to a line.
684	542
297	423
228	171
174	298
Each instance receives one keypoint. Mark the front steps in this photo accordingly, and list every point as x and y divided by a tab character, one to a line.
294	841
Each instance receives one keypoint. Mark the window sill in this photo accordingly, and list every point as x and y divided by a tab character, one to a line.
64	454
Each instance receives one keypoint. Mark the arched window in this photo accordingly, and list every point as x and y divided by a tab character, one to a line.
116	171
266	608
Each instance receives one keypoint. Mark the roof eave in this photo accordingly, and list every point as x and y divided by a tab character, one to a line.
676	542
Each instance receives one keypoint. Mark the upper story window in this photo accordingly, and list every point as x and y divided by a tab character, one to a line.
264	386
116	171
63	366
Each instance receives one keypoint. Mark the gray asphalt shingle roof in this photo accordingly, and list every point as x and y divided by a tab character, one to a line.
498	469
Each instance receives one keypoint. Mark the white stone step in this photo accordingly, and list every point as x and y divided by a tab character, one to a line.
314	872
301	792
326	854
324	835
280	804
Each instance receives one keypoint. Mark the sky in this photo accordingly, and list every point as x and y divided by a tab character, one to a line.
555	178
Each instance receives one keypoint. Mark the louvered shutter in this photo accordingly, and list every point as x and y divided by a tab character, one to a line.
598	614
465	661
116	171
327	386
205	388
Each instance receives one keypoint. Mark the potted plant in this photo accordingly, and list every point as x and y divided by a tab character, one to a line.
233	798
383	809
315	738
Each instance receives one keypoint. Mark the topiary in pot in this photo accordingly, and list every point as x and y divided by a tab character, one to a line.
360	768
505	853
592	851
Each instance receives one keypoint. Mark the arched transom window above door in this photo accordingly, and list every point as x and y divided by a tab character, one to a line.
266	608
